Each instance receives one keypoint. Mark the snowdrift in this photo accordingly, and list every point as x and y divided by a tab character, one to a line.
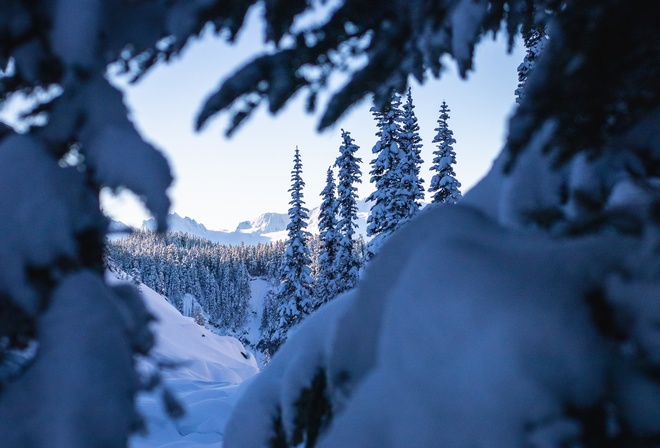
476	335
207	369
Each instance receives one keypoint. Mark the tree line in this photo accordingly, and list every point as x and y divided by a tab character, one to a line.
399	192
305	270
215	276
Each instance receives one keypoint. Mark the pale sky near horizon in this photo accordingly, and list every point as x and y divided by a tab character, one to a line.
220	182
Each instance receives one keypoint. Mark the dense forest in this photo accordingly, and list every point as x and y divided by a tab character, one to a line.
179	264
202	279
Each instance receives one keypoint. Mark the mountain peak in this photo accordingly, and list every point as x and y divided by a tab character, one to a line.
265	223
264	228
176	223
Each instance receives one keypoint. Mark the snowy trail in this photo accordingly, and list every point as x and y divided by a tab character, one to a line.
210	369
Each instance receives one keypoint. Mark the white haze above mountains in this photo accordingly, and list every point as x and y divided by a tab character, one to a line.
265	228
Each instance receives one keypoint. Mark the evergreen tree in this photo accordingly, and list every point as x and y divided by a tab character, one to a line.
294	295
535	40
269	319
444	184
347	261
326	281
411	189
385	216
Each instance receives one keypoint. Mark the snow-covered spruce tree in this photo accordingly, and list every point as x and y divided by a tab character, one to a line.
385	214
410	194
555	344
535	40
347	260
444	185
294	296
326	286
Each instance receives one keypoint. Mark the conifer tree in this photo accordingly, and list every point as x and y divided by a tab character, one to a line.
294	294
411	190
326	281
535	40
347	261
444	184
384	216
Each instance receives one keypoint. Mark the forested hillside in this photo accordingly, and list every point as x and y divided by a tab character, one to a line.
202	279
193	272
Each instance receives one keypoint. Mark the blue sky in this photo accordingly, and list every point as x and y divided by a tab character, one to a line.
221	181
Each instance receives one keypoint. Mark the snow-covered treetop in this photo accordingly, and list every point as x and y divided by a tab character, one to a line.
444	184
348	176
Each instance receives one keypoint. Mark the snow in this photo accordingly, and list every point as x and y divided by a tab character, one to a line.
258	289
472	363
190	226
121	146
208	369
265	223
464	332
281	378
267	227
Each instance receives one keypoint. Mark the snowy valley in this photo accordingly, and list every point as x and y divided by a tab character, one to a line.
524	313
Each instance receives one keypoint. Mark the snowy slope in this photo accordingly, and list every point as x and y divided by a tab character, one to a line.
473	357
210	369
258	289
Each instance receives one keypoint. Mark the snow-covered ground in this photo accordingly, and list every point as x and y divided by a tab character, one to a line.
258	289
210	369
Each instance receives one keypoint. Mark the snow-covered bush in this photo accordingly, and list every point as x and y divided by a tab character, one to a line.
525	315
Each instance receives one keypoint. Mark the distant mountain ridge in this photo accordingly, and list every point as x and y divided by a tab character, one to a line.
176	223
265	223
265	228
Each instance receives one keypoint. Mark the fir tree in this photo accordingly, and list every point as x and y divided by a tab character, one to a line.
535	40
444	184
384	216
347	261
294	294
411	189
326	281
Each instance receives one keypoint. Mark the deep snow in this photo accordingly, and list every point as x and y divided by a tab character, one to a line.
210	368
